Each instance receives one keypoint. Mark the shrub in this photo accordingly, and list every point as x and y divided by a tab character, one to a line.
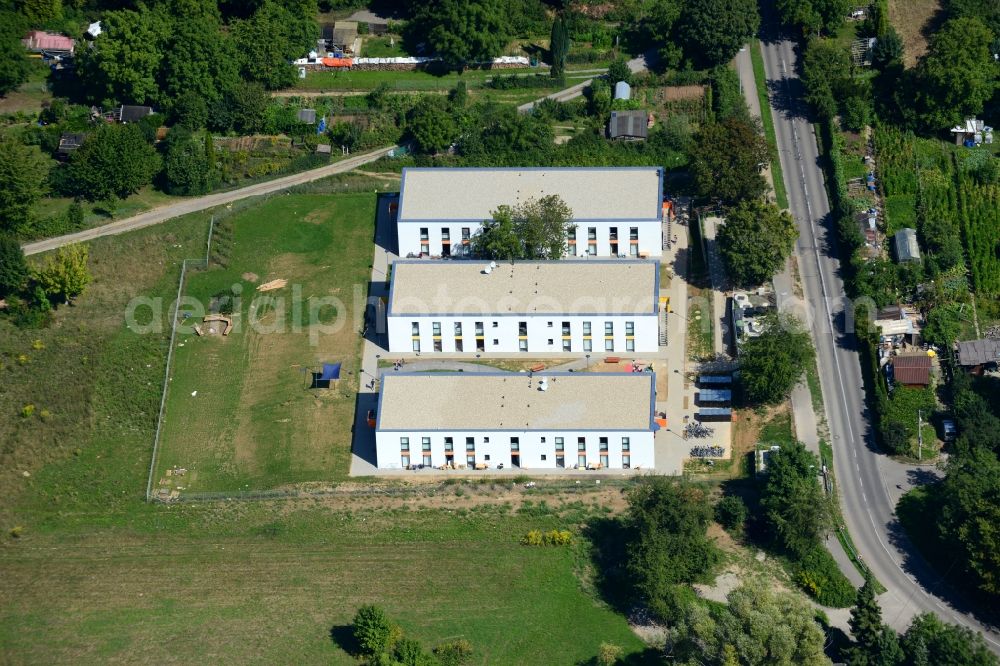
27	411
731	513
818	575
374	631
550	538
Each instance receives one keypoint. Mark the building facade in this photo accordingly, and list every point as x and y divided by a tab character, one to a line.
541	307
617	212
517	420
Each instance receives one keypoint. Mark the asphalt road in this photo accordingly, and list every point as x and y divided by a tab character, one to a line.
865	499
164	213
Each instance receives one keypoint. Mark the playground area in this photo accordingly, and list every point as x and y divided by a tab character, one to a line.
244	409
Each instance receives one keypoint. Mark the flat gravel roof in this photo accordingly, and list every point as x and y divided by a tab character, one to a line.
471	195
514	401
567	286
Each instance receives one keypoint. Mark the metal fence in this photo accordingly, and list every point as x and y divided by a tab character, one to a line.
194	264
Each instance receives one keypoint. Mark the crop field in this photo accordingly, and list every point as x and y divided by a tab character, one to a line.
240	413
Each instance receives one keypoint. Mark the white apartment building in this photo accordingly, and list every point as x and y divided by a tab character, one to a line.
532	307
617	210
554	420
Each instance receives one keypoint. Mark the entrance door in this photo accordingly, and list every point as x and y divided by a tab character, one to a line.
515	460
560	461
604	461
581	461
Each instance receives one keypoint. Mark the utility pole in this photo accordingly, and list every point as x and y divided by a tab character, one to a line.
920	437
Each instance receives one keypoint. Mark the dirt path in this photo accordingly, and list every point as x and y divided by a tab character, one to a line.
164	213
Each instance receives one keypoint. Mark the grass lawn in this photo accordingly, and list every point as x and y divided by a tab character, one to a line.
279	582
409	80
900	212
31	95
254	423
760	79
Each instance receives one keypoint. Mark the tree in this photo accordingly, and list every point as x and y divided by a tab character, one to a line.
713	31
658	26
409	652
667	547
755	241
65	275
618	71
22	182
40	12
811	16
124	62
956	76
875	644
269	40
14	271
758	627
243	109
826	70
772	362
198	58
792	501
185	164
374	631
558	47
190	110
931	641
728	161
114	161
888	49
74	216
431	125
535	229
461	31
14	67
970	513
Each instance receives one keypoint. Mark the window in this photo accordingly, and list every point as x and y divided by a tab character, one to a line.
425	248
436	328
479	328
470	444
613	233
586	328
449	444
591	233
581	443
424	235
470	461
466	235
626	462
415	328
609	344
496	342
522	328
625	444
458	344
565	328
427	461
543	440
543	458
551	342
515	444
404	460
630	344
634	249
496	324
486	440
633	233
567	344
480	345
588	345
609	328
404	443
581	461
630	328
446	234
425	443
550	324
522	344
458	329
416	344
560	445
486	457
604	461
603	441
560	461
